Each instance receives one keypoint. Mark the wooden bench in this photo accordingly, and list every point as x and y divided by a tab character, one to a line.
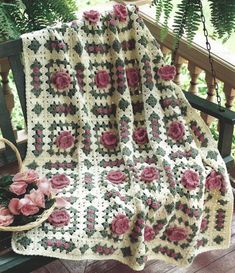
14	263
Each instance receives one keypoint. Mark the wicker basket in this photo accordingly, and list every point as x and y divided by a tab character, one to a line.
42	217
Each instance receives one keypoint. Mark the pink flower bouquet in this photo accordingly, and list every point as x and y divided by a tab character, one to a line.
26	200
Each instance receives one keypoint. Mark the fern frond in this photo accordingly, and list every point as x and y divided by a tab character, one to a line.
7	30
20	16
223	17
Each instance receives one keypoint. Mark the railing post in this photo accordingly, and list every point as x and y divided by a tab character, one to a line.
230	95
210	96
194	72
165	51
4	72
178	64
8	95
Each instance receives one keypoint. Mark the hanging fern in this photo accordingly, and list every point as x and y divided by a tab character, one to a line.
223	17
187	17
20	16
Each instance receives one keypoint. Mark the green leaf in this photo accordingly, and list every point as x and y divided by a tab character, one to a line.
6	181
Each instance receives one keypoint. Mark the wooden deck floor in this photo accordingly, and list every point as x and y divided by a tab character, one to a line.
219	261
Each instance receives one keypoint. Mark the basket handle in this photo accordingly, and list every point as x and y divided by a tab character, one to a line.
13	147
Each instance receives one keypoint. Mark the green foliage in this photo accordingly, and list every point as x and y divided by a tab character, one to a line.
223	17
187	16
21	16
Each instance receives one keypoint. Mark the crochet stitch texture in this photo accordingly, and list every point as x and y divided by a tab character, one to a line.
138	167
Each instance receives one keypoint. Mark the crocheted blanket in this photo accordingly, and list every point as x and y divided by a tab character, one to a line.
115	136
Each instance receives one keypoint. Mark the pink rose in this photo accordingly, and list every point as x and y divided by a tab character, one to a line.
44	186
27	207
61	202
59	218
92	16
176	234
190	179
116	177
120	11
14	206
167	72
148	233
120	224
29	176
140	136
37	197
6	218
176	130
65	140
18	188
149	174
59	181
214	181
204	223
133	78
61	80
109	140
102	78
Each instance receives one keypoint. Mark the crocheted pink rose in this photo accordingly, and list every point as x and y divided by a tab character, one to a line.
59	218
60	181
190	179
102	78
214	181
65	140
92	16
6	218
120	11
18	188
61	80
176	234
167	72
140	136
148	233
120	224
109	140
176	130
116	177
204	223
149	174
133	78
29	176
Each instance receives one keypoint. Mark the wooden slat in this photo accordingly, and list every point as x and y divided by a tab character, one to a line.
74	266
14	263
57	267
10	48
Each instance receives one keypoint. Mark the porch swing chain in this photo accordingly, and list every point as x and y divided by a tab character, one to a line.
211	60
208	47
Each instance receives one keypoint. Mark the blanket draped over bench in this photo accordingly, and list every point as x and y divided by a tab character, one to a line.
138	167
